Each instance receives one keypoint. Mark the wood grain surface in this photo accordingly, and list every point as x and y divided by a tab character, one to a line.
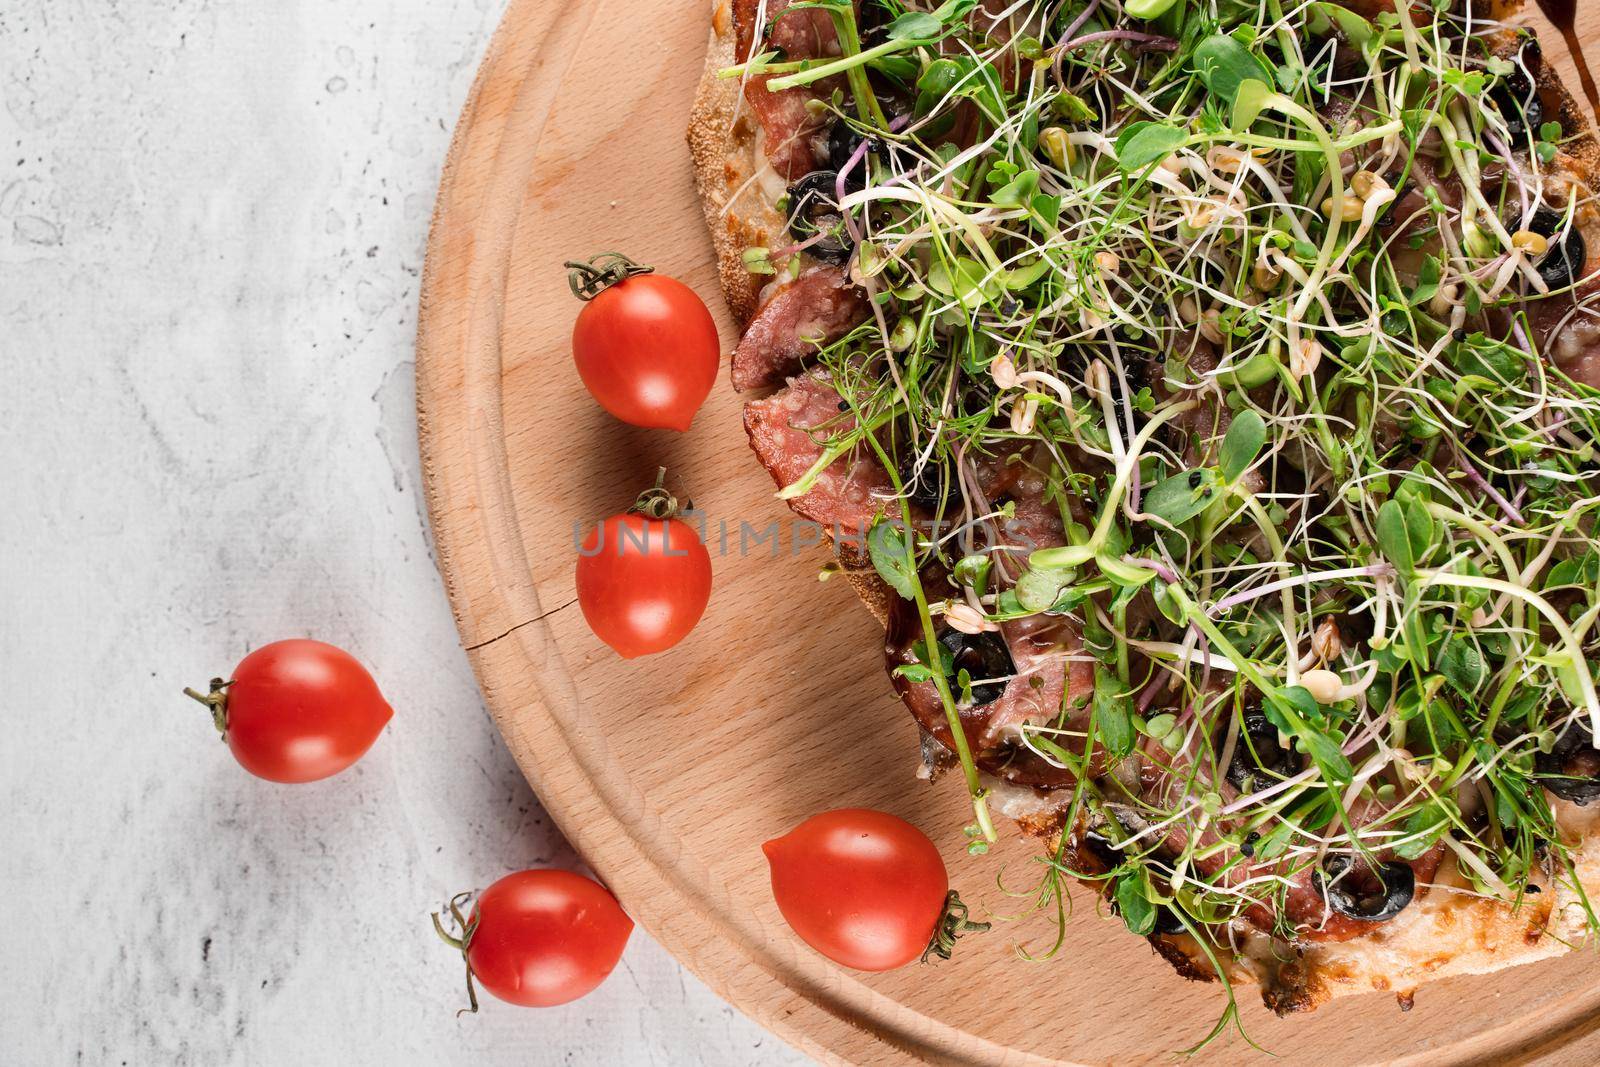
668	773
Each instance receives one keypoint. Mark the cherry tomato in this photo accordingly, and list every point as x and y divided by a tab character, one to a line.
643	582
297	711
864	888
645	345
540	938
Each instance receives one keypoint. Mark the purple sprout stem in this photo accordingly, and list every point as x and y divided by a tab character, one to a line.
1164	572
1372	570
1516	171
1482	485
1151	41
855	160
1083	17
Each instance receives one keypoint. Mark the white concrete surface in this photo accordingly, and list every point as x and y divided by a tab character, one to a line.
212	221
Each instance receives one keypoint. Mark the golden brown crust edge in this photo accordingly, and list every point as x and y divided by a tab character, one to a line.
723	146
1442	935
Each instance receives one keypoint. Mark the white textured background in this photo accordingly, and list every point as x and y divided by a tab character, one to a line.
212	222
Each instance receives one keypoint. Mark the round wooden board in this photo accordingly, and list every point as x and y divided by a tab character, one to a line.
667	773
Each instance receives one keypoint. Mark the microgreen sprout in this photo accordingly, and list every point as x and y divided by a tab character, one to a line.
1253	294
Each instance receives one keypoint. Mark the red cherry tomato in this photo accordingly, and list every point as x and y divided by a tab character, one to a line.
541	938
643	583
864	888
297	711
645	345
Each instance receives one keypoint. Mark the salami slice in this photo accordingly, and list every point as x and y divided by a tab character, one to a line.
817	308
788	431
1049	672
790	126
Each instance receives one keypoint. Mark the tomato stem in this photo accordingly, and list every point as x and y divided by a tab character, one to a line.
656	502
590	278
216	700
953	922
462	943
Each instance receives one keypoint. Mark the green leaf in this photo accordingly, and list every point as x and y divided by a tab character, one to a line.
1419	528
965	280
1072	108
941	77
1123	574
1182	496
1133	899
1046	212
1259	369
1241	444
1357	30
1249	100
1167	606
1394	540
1480	354
1462	666
914	672
914	25
903	70
886	545
1147	9
1578	570
1144	143
1038	590
1061	556
1431	820
1295	711
973	571
1303	705
1113	707
1428	276
1224	64
1018	193
757	261
1274	841
1333	763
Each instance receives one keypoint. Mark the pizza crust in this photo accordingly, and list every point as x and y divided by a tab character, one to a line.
1441	935
732	176
731	172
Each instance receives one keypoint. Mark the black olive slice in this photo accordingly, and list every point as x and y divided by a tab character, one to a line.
843	140
1167	921
1363	893
1255	752
1100	847
930	487
982	656
1571	770
813	210
1517	96
1563	262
